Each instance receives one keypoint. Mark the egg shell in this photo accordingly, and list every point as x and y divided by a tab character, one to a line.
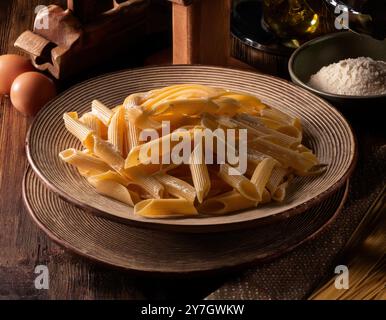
11	66
31	91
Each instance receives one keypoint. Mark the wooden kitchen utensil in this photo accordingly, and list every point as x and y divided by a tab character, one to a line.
201	31
67	41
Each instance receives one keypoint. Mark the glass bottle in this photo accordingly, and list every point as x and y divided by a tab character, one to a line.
290	20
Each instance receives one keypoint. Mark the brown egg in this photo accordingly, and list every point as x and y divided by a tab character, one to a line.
11	66
31	91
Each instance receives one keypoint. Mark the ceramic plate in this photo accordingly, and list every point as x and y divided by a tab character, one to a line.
165	252
325	131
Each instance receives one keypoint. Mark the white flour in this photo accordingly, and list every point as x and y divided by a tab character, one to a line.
355	77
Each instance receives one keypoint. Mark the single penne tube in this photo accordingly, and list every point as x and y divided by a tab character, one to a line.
91	121
111	176
132	136
103	113
247	101
277	176
150	185
277	115
106	151
285	156
184	107
272	124
177	187
200	174
280	192
117	130
245	187
165	208
291	131
115	190
134	100
226	203
84	161
226	106
255	127
262	174
83	133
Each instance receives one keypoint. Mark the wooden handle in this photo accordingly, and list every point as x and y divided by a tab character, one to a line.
201	32
87	10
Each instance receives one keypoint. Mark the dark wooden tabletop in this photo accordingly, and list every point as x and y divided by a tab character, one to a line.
23	246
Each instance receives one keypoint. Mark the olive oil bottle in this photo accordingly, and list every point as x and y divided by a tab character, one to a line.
292	21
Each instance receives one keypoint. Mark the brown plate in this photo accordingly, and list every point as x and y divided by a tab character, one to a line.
325	131
165	252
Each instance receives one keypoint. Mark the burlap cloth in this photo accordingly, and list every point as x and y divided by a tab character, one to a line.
296	274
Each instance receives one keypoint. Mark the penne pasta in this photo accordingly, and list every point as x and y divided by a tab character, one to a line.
285	156
255	127
106	152
150	185
144	152
226	203
200	174
165	208
103	113
280	192
130	154
262	174
92	122
245	187
249	103
277	176
83	161
177	187
111	176
117	131
132	136
78	129
134	100
114	190
277	115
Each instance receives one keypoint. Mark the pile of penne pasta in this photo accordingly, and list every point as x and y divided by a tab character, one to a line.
110	138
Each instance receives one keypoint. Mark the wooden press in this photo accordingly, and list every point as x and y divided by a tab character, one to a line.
65	41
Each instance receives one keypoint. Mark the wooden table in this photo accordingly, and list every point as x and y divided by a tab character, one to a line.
23	246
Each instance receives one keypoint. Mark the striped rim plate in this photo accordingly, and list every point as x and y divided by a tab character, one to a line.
325	131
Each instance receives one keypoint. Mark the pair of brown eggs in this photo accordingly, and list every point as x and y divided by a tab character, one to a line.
29	90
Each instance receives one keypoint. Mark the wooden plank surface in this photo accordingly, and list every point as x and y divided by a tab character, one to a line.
23	246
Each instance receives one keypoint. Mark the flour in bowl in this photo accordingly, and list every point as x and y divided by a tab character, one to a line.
354	77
